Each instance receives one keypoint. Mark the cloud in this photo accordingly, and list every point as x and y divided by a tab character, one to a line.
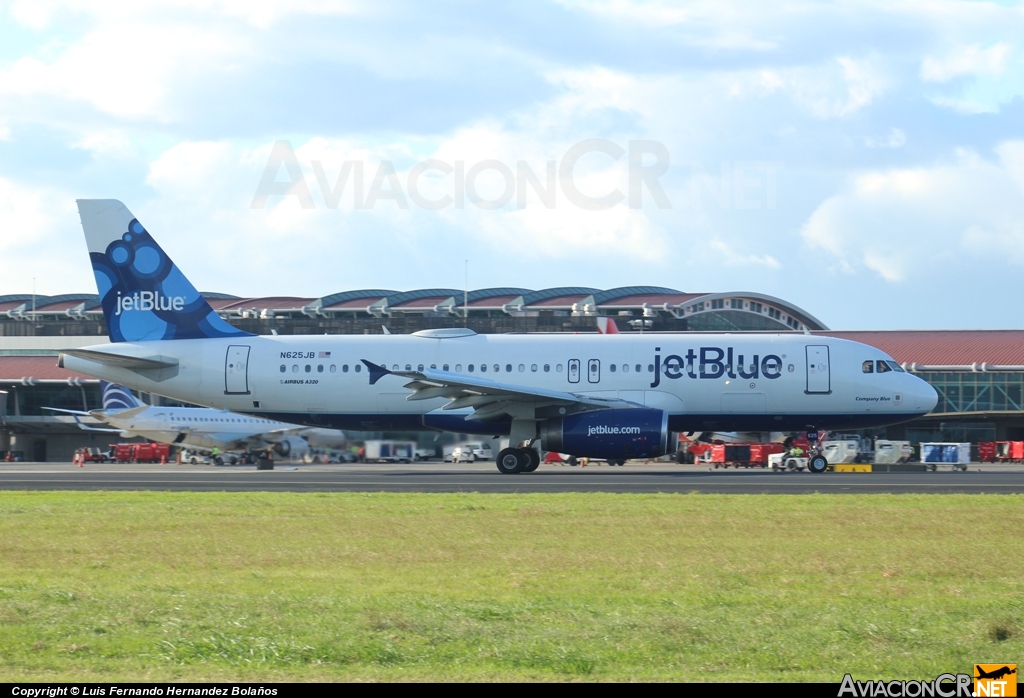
922	223
896	138
35	222
965	60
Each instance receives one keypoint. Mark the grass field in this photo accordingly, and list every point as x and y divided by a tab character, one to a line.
197	586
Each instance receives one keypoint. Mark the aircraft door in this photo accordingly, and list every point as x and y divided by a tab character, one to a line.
819	377
594	370
574	370
236	370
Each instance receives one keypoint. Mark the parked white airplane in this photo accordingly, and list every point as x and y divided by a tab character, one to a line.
201	427
605	396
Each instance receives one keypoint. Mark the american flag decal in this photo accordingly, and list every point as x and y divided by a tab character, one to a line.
324	355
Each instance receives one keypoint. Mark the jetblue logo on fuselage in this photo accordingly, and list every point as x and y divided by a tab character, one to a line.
148	300
715	362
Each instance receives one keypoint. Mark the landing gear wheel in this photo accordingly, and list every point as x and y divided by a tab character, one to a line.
817	464
532	460
511	461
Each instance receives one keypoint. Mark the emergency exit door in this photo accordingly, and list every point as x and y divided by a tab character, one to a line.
574	371
819	376
594	371
236	370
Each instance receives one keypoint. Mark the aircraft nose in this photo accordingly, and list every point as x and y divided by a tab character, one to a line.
926	396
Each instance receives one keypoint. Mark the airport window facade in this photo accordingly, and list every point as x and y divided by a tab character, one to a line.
977	392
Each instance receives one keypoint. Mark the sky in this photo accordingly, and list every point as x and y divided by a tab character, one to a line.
863	160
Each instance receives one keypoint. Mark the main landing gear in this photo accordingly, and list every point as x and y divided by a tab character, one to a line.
517	460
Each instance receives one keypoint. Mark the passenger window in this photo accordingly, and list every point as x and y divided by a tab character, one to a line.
308	368
358	368
458	368
558	367
483	368
432	367
444	367
508	368
334	368
650	368
882	367
470	367
533	367
611	367
419	367
320	368
408	367
295	368
639	368
868	366
497	368
547	368
283	368
625	368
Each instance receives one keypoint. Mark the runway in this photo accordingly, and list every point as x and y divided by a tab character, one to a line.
438	477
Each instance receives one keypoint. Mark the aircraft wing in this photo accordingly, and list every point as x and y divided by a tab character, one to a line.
489	398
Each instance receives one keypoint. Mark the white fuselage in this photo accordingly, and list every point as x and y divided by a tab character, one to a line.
756	382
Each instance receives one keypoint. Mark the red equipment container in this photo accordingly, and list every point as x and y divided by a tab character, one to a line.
1017	451
151	452
162	451
143	453
122	453
1002	451
987	451
759	453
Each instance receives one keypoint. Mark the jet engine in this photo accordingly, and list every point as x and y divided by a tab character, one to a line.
291	447
611	434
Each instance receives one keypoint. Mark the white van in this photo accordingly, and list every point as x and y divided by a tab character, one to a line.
472	452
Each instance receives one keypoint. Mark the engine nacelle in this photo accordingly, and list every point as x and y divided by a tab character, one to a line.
291	447
611	434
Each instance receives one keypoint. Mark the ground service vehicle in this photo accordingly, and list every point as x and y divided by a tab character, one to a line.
385	451
957	455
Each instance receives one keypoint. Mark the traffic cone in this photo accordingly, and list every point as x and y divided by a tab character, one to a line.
163	460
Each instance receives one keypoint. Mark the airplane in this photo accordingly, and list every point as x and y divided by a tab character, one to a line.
202	428
614	396
996	673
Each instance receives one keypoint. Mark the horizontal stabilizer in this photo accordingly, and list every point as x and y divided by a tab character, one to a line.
80	413
134	363
102	429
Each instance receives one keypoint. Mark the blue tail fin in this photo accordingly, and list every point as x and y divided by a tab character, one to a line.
118	397
144	296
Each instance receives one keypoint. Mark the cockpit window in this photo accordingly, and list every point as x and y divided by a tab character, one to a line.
883	367
868	366
895	366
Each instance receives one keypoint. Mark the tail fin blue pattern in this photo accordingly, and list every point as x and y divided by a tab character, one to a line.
118	397
143	294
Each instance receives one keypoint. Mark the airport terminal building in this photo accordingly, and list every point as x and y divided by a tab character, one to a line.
979	375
